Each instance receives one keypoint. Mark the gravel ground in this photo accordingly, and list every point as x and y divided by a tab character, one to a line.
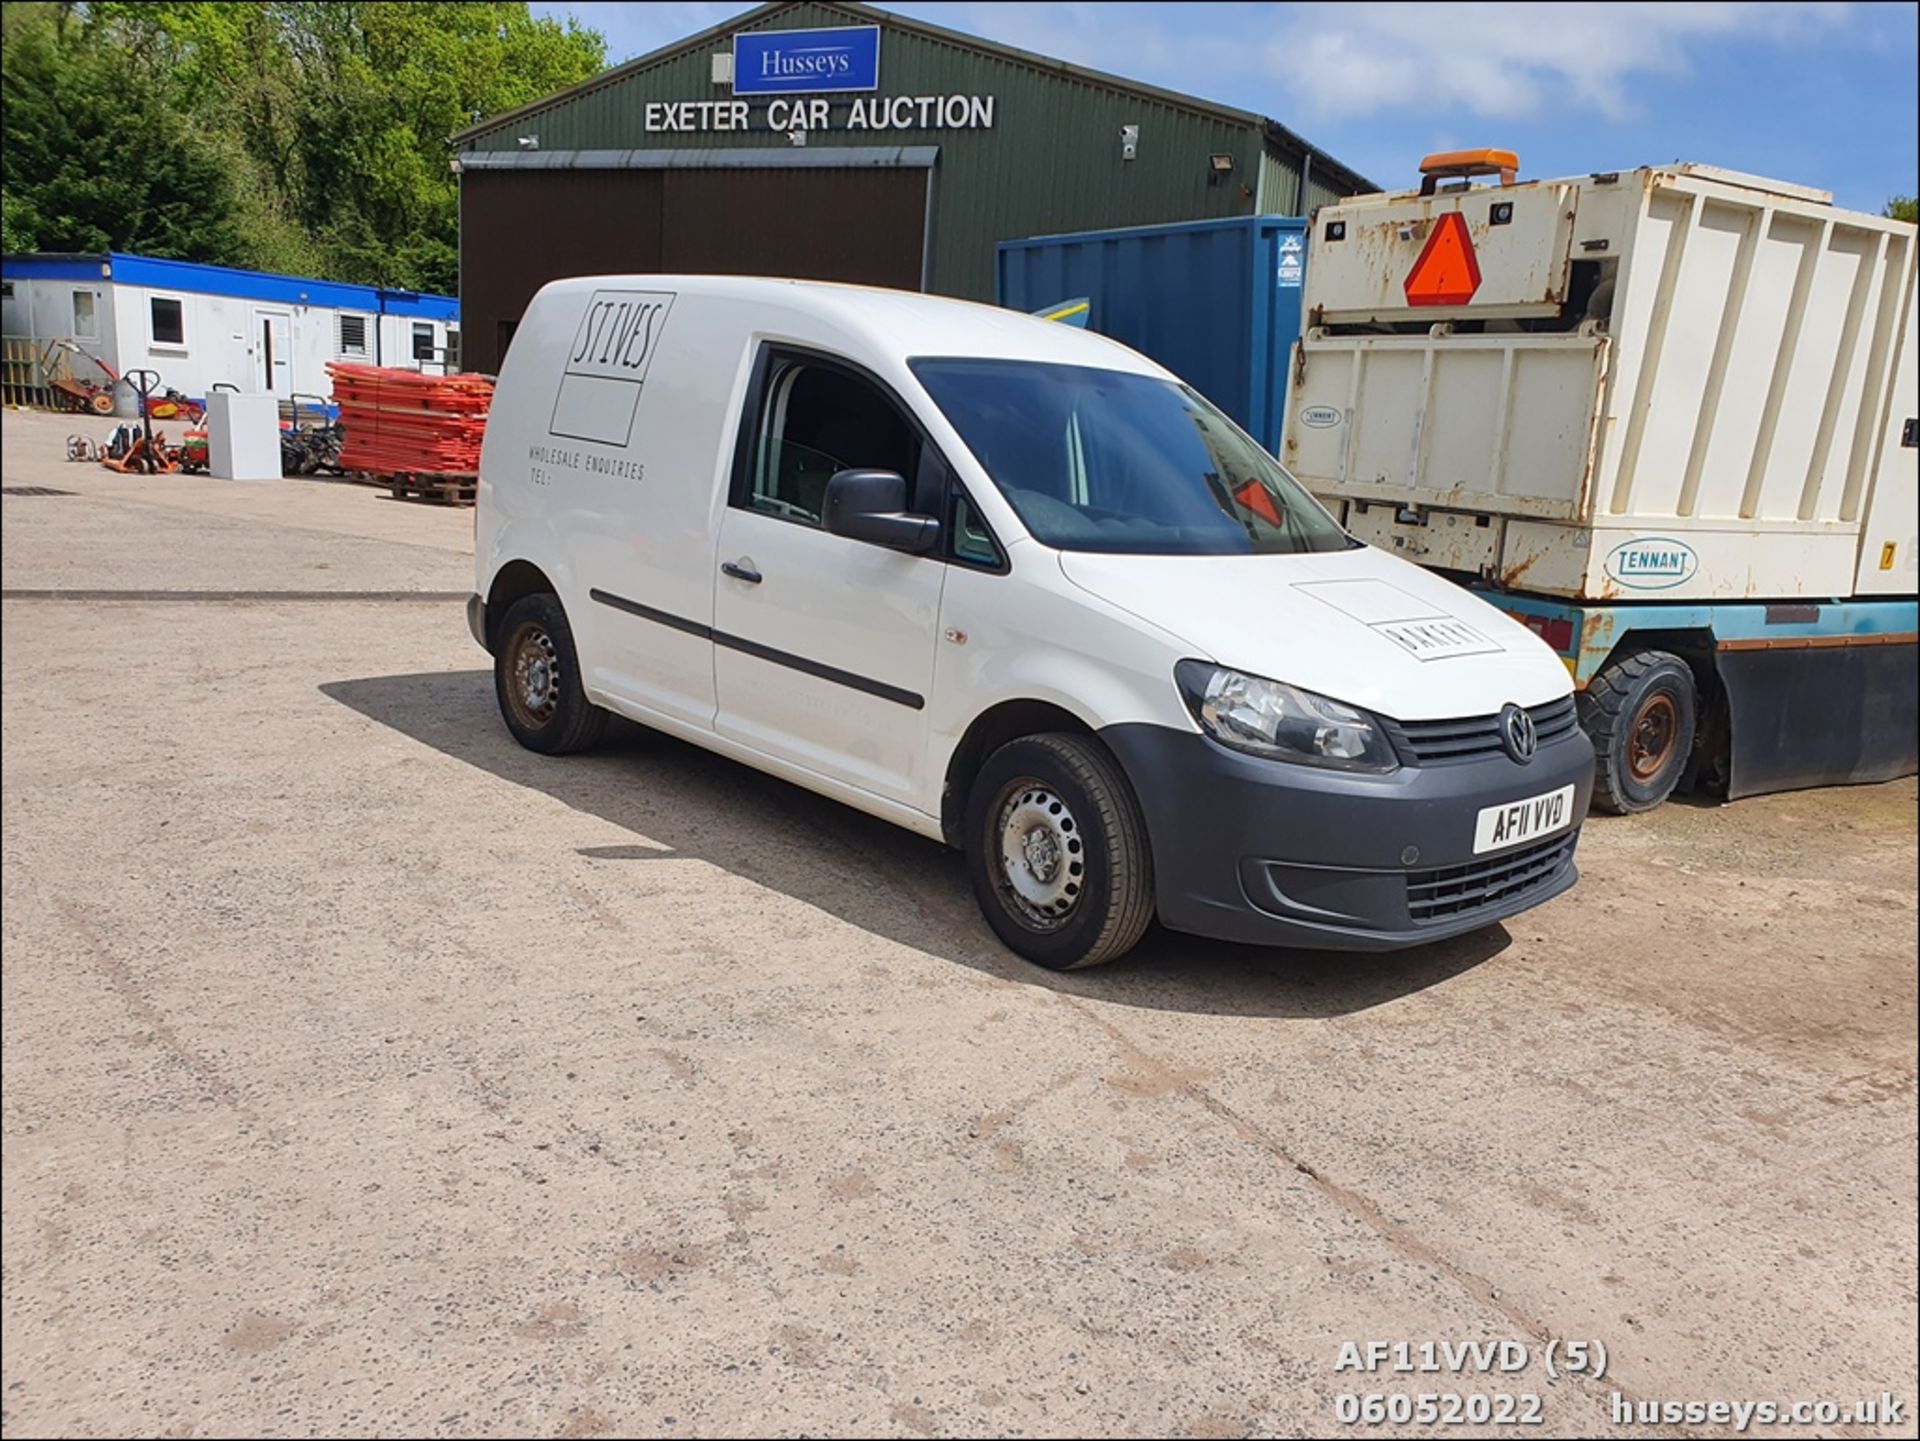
364	1073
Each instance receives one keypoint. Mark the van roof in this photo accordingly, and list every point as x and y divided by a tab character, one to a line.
901	322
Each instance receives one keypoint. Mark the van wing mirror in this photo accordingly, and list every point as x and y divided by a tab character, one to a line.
871	505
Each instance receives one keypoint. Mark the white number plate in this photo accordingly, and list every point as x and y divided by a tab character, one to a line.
1520	821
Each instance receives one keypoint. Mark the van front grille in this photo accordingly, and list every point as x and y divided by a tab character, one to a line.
1438	742
1457	890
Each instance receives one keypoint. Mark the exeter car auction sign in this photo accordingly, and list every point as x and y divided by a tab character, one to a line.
810	66
867	112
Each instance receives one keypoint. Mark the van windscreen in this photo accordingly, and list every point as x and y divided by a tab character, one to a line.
1106	460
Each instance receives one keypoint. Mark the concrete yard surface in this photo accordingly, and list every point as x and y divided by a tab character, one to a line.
365	1073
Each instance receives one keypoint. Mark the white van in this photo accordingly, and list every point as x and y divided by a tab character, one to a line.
1014	587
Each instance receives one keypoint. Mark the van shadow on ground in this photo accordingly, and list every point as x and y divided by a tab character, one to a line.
867	872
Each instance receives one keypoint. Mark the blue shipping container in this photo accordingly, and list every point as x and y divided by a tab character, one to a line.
1215	301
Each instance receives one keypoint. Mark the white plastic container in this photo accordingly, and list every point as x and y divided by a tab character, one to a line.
1673	383
243	436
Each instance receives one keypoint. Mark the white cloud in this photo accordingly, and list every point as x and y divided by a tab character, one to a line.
1510	61
1339	61
637	29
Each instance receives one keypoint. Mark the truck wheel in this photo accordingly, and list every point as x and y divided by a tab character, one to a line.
1640	712
536	678
1057	851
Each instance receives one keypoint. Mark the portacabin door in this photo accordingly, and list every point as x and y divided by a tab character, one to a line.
823	645
273	351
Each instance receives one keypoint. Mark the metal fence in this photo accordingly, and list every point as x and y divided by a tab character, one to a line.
31	372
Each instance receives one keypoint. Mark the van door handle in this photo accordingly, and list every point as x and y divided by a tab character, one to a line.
740	572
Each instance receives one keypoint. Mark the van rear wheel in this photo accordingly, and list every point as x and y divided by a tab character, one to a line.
536	678
1057	852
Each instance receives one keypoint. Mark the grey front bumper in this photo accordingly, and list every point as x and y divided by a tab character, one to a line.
1247	849
477	621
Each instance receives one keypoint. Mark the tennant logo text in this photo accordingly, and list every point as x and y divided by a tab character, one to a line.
1655	562
790	62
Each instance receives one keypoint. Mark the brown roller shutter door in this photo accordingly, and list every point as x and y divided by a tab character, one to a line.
520	229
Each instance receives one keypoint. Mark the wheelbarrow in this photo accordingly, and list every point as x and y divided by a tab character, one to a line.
77	394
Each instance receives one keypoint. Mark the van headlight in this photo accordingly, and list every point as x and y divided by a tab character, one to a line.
1281	722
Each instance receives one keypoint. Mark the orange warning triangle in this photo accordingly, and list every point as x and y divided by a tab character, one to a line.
1446	272
1253	495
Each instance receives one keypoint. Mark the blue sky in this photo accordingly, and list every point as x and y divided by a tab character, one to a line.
1823	94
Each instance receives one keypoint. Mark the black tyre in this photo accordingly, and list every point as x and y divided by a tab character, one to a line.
1057	851
536	678
1641	712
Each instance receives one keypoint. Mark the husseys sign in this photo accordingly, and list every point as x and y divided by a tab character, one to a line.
791	62
810	64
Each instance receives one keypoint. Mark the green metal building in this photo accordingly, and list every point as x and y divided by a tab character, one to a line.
665	164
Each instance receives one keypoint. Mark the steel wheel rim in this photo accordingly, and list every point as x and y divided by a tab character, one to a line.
1654	729
1039	856
533	681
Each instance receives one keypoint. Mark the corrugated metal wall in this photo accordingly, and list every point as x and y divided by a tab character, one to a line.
1280	188
1319	193
1052	161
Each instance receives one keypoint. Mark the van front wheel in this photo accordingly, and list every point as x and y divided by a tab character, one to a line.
1057	852
536	678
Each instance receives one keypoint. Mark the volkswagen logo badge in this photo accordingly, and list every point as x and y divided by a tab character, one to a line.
1517	734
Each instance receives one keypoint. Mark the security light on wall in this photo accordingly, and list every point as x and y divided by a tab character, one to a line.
1129	141
529	142
1221	164
796	137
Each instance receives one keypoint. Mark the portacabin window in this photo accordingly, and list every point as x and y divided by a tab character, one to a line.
167	316
423	346
86	324
353	335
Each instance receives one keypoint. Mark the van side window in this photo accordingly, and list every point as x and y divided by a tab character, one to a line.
817	421
969	540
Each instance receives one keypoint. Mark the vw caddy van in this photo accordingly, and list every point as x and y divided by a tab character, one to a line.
1016	588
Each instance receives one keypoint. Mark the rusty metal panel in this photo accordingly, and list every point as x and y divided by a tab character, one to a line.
1704	411
1444	539
1890	509
1520	236
1754	331
1499	423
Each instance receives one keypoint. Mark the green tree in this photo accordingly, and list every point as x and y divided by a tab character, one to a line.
96	157
384	87
1903	207
317	130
